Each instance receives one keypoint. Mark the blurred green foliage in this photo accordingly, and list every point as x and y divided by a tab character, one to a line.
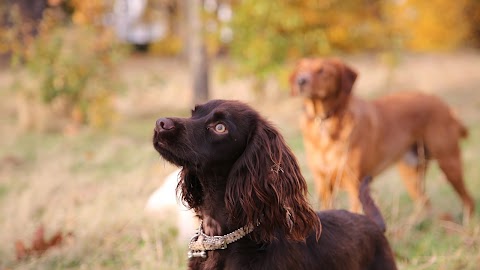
72	63
76	64
268	33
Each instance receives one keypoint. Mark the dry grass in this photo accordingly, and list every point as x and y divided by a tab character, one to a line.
95	184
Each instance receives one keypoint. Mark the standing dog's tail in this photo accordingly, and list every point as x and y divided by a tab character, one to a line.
369	207
463	130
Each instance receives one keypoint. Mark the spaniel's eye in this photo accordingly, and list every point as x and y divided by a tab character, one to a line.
320	70
220	128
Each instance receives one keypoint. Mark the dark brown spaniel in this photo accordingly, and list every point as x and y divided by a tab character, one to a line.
244	183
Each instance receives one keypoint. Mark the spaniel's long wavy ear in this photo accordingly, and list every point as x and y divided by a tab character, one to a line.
189	189
266	187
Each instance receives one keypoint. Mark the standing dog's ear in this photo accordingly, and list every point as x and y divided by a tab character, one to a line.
347	75
266	186
189	189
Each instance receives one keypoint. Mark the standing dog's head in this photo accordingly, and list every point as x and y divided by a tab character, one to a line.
261	180
324	79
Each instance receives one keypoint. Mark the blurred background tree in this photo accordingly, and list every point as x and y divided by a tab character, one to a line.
268	33
435	25
197	54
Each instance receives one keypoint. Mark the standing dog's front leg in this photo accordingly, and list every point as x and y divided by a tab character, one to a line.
352	185
324	189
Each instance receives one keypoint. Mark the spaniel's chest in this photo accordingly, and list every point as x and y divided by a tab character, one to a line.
248	255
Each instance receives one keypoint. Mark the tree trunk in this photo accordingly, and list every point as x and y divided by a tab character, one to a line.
199	70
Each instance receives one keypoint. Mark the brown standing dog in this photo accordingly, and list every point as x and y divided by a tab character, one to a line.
348	138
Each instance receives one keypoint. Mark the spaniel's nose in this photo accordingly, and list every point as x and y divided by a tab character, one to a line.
302	80
163	124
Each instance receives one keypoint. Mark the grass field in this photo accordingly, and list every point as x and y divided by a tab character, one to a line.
95	183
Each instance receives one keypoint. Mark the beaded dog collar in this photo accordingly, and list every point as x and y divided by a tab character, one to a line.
201	243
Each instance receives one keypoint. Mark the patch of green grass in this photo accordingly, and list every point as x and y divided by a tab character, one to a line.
28	147
3	191
436	247
295	142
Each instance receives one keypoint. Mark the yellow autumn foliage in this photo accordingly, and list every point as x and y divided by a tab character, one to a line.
429	25
87	12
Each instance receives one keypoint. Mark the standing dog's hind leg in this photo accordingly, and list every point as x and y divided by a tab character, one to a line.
412	169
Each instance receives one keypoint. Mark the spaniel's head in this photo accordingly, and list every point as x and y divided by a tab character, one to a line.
262	183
